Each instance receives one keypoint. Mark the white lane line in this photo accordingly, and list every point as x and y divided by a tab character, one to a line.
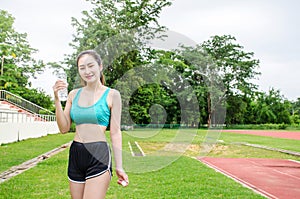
239	180
130	148
140	148
283	173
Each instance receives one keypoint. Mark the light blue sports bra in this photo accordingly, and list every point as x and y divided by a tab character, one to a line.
99	113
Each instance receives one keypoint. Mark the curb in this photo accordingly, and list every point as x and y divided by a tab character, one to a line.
16	170
269	148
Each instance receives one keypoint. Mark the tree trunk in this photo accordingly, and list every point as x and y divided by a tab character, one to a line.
208	110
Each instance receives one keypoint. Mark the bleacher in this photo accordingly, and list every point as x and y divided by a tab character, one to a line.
12	113
20	119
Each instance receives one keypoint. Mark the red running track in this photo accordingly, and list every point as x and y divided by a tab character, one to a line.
270	133
273	178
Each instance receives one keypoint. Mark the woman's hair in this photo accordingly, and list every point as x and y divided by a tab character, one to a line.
97	57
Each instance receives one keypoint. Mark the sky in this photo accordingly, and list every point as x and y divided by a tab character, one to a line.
268	28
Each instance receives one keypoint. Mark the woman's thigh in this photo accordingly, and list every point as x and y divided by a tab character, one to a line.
97	187
77	190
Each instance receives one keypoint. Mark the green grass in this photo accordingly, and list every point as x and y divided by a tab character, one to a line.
184	178
46	180
280	143
240	151
230	147
18	152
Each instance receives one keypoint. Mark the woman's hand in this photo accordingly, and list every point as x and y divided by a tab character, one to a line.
122	177
59	85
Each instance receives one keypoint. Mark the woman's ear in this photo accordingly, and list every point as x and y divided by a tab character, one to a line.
101	67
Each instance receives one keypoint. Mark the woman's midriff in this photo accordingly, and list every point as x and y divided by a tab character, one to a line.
90	133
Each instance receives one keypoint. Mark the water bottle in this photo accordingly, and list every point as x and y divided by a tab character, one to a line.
62	94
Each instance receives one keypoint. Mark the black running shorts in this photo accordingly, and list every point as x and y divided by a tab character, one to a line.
88	160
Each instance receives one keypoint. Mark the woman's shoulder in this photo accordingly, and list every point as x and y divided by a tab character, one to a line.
113	91
114	97
73	92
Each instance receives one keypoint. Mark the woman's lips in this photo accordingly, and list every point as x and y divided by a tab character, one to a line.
89	76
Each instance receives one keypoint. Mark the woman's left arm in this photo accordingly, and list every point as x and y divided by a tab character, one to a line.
116	135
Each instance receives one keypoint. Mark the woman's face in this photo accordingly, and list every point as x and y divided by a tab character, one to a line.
89	69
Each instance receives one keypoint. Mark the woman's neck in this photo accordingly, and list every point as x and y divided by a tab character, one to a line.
94	86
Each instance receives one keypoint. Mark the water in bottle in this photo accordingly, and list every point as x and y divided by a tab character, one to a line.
62	94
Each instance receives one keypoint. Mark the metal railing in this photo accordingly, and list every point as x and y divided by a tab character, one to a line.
16	117
22	103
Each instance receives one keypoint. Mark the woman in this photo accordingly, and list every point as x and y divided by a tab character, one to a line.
92	108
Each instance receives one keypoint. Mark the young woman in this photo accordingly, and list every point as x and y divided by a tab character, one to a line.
92	108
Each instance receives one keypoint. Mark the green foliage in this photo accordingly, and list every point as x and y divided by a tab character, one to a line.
271	108
295	112
295	119
237	110
266	126
219	71
296	107
237	66
17	64
150	103
185	64
38	97
16	51
115	30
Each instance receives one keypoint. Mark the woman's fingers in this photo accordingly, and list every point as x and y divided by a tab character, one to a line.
59	85
123	179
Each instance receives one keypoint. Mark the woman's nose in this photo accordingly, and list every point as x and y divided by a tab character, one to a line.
86	70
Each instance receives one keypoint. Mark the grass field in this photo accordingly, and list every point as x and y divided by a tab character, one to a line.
18	152
184	178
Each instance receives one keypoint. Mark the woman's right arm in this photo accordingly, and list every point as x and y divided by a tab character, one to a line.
63	118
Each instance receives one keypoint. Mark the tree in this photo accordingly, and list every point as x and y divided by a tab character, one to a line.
203	75
271	107
236	67
17	64
295	111
116	29
296	107
185	79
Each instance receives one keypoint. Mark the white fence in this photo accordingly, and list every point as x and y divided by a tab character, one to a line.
15	126
19	119
12	132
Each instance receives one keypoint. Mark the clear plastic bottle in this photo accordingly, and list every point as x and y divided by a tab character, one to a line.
62	94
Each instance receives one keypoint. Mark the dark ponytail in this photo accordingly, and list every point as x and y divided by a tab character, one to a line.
102	78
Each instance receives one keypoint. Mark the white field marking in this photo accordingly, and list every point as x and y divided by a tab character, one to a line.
294	161
277	170
256	164
245	183
140	148
283	173
272	149
129	145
